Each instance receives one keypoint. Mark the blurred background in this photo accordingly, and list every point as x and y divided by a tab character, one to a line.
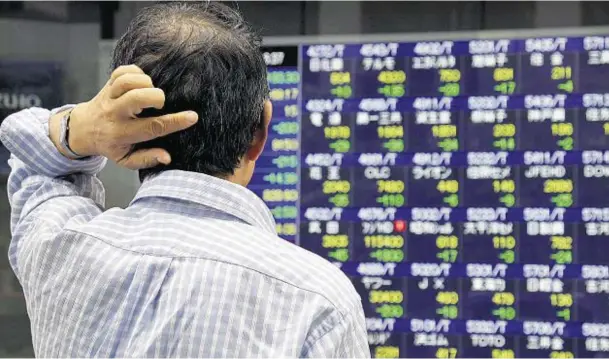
58	52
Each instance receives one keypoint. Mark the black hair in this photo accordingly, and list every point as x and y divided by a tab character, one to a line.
207	59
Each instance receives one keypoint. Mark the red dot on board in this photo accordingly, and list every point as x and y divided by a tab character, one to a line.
399	226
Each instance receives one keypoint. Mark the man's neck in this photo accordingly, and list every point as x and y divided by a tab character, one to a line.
236	178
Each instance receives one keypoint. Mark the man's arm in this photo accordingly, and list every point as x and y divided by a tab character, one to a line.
47	189
339	337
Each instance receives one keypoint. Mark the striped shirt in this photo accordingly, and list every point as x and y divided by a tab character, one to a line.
192	268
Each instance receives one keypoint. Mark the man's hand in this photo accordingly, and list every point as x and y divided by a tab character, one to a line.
108	124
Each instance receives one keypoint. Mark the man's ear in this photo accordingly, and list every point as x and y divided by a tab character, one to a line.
262	134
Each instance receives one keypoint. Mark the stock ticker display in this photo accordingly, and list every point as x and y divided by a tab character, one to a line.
463	186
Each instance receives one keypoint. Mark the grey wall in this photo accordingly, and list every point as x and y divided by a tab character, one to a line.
290	18
73	45
76	47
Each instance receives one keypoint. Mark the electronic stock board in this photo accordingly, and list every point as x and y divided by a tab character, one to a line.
461	182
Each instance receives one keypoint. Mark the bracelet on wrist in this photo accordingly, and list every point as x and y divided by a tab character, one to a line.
65	136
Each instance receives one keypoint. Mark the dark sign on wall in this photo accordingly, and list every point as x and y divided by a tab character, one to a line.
27	84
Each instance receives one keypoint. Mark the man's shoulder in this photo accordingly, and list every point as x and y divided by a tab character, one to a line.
306	270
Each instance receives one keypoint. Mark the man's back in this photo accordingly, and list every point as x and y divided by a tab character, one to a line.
192	269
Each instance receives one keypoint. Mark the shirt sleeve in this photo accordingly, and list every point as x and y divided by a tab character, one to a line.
340	337
46	190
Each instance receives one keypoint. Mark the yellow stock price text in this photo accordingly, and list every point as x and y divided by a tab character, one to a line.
392	77
449	75
446	353
335	132
386	296
280	195
504	130
384	241
340	78
447	298
390	131
334	241
561	355
561	73
290	110
284	144
288	229
504	242
443	131
443	242
561	299
283	94
389	186
504	298
330	187
558	186
386	352
562	129
562	242
507	186
503	74
502	354
449	186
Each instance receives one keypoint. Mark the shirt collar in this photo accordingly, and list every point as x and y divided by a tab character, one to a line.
209	191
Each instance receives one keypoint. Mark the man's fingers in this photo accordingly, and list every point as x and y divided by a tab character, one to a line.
122	70
128	82
134	101
145	129
145	159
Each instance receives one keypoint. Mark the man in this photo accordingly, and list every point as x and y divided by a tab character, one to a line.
193	267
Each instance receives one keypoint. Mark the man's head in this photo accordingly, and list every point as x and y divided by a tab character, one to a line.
205	58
